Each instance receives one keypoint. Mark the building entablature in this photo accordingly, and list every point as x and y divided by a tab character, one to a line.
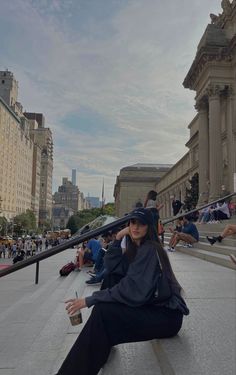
177	172
226	20
217	46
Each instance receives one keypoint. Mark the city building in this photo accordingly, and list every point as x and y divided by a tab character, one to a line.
73	177
16	151
212	142
42	137
67	195
60	216
93	202
25	154
133	184
68	200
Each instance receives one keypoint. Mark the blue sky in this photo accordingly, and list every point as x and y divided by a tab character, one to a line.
107	74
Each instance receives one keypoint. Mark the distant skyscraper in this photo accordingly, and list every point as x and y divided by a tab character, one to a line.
73	177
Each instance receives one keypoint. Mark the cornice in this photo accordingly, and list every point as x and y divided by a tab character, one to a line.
10	110
204	57
211	53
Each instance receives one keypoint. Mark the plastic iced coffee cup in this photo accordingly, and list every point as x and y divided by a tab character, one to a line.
76	318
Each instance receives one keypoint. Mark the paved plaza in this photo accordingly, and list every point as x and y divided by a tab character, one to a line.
36	334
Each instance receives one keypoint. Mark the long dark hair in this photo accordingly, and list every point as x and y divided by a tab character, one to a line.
152	194
131	250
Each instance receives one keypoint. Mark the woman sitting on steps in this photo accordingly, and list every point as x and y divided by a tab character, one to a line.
127	311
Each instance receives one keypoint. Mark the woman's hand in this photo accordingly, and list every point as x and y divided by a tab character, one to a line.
122	233
74	305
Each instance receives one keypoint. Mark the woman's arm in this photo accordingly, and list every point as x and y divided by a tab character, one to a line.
137	286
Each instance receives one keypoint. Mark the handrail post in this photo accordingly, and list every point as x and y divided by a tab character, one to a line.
37	273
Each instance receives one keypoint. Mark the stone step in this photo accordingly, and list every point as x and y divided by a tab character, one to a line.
220	259
216	248
28	313
36	334
228	241
125	359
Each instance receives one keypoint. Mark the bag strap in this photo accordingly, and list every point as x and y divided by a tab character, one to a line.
159	261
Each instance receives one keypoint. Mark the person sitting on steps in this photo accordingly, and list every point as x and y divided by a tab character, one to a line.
127	312
189	234
229	230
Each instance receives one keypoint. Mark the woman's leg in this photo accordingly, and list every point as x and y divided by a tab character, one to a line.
91	349
112	324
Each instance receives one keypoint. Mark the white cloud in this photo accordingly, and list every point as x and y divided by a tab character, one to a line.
127	68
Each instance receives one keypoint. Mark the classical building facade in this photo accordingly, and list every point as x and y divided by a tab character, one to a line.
133	184
212	142
25	156
212	77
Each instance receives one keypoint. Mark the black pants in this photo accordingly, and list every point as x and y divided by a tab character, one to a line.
219	215
112	324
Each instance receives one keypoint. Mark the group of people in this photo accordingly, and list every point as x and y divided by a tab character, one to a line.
215	213
131	263
22	247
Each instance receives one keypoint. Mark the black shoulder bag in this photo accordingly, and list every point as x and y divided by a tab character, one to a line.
163	290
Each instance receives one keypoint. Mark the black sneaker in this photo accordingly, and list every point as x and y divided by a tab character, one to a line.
93	281
212	240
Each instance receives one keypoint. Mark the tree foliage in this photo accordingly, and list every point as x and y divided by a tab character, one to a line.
191	197
24	223
3	225
85	216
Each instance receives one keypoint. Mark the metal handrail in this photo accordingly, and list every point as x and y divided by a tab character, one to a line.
84	237
198	208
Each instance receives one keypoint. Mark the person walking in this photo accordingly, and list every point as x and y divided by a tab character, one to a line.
127	312
151	204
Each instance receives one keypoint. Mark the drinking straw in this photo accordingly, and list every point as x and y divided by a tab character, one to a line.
76	294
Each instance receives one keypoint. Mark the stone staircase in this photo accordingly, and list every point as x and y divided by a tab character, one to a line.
218	253
36	334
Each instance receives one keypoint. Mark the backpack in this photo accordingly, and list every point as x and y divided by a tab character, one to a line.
67	269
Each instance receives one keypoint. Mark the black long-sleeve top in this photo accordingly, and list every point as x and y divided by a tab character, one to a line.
139	283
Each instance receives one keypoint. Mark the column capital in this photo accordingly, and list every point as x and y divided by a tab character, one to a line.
201	105
216	90
213	90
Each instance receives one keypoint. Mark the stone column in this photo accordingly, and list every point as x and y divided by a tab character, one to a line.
203	151
215	143
231	146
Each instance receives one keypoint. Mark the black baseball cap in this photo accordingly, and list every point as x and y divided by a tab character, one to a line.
143	215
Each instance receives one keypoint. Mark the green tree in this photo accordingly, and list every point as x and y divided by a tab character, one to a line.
109	209
3	225
84	217
24	223
192	193
72	224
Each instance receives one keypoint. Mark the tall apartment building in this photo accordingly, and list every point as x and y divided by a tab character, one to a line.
43	138
67	195
23	160
73	176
